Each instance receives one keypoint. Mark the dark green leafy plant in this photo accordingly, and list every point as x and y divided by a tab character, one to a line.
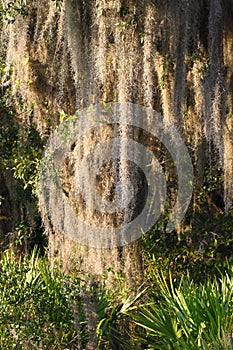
113	328
20	154
187	316
25	158
36	305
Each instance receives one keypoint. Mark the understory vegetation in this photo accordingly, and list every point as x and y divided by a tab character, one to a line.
43	308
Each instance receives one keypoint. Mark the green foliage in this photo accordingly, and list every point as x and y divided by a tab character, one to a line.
41	307
187	316
167	67
113	322
24	233
57	4
10	10
142	37
124	11
203	251
25	158
36	305
170	314
204	245
21	150
66	117
197	55
212	184
8	131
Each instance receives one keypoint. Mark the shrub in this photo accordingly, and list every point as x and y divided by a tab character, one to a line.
187	316
36	305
